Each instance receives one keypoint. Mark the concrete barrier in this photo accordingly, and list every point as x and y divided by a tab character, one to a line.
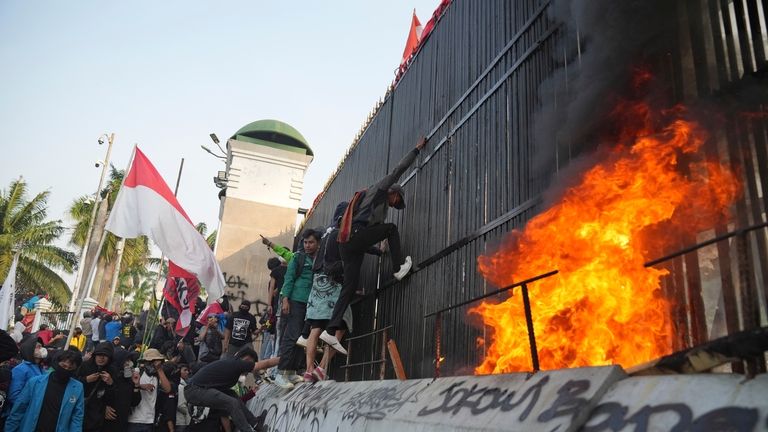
700	402
588	399
547	401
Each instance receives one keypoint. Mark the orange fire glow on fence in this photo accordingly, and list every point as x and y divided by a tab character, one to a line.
651	191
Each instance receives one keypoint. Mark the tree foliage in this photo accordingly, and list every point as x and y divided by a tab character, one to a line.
24	229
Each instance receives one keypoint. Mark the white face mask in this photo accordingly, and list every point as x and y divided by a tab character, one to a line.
41	353
241	380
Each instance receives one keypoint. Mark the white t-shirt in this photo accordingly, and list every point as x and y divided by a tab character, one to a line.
144	413
95	326
182	412
18	331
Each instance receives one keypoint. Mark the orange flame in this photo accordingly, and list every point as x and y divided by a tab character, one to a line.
604	306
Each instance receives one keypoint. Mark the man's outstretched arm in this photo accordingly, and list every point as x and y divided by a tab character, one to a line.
394	176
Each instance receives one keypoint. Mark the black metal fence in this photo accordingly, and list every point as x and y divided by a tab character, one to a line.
476	90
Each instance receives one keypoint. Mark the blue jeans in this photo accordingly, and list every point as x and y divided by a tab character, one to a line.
140	427
267	346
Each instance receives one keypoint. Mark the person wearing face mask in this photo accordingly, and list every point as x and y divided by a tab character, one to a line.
8	350
142	418
51	402
163	333
126	393
33	354
96	376
240	329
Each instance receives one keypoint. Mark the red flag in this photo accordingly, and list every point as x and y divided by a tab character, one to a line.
181	292
213	308
414	37
145	205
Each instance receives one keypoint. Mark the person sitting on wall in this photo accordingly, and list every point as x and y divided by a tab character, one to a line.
361	227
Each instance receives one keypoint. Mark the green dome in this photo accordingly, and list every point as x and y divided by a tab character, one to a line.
273	133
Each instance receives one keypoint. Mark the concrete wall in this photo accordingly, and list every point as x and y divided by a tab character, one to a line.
557	400
587	399
264	190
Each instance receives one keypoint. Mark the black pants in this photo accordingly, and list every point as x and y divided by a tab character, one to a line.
352	254
291	355
215	399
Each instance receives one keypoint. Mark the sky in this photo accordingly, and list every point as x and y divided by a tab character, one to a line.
164	75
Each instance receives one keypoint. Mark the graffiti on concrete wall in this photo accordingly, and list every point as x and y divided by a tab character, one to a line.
237	290
544	401
614	416
379	402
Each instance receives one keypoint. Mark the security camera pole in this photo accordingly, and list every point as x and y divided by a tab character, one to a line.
83	254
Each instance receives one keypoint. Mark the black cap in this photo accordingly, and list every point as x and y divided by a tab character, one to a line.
246	303
396	188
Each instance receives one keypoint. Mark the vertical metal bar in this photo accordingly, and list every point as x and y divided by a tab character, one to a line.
695	299
383	365
757	33
349	360
529	323
729	291
747	56
438	330
748	304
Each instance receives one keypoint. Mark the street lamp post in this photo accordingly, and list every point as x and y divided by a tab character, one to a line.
79	277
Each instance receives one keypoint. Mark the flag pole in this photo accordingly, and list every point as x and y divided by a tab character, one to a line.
120	248
84	292
160	274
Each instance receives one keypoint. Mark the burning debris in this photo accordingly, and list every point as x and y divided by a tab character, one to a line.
654	187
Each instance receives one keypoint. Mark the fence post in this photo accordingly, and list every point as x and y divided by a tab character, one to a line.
529	323
438	331
349	356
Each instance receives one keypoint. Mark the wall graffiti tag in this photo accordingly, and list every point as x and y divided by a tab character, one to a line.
545	401
235	281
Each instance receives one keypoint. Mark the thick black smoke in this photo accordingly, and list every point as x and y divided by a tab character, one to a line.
615	37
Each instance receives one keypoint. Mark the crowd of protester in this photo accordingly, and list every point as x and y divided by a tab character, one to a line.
110	381
120	373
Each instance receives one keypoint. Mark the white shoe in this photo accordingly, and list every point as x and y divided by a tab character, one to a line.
404	268
282	381
294	378
333	342
302	341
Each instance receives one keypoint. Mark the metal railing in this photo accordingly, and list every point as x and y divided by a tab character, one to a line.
528	318
382	362
57	320
749	315
753	365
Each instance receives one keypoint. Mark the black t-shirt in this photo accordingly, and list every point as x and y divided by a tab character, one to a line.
242	325
279	274
221	374
128	335
49	410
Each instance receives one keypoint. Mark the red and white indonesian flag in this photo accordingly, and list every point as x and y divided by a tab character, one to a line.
146	206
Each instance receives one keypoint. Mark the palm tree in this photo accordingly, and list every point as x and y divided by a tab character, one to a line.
202	228
136	285
136	251
23	227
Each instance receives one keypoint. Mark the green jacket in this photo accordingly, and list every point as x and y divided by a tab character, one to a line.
283	252
298	288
